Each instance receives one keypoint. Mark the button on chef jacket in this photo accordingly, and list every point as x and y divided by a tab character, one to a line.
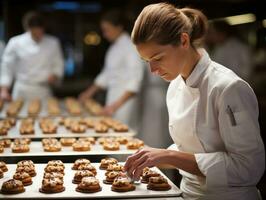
123	71
227	145
30	63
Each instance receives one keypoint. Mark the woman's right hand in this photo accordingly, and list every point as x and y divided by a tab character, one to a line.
84	95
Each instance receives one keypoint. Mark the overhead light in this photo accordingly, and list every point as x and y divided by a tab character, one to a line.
92	38
240	19
264	23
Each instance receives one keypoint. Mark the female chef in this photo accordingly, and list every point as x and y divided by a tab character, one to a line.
213	114
33	59
122	73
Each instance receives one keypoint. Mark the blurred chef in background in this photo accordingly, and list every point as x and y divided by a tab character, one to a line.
229	50
122	73
33	60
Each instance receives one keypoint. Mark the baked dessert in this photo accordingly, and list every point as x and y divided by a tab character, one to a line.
67	141
122	140
120	128
147	173
11	121
158	183
1	149
79	162
23	163
87	139
81	146
1	173
89	185
12	186
115	167
29	169
93	107
110	177
3	166
80	174
51	168
88	167
102	140
52	185
122	184
14	107
48	141
111	146
5	143
20	148
56	163
22	141
89	122
1	104
53	107
135	144
49	175
4	128
73	106
52	147
100	128
24	177
107	161
76	127
34	107
47	126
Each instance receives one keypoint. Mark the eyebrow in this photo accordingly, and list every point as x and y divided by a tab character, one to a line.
154	55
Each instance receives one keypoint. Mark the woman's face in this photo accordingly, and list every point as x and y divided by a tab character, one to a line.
110	31
166	61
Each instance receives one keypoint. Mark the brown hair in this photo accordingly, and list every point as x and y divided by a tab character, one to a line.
163	23
33	19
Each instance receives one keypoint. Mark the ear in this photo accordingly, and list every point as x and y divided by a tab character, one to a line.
185	40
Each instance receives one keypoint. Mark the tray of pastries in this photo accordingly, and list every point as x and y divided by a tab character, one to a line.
63	127
69	146
81	179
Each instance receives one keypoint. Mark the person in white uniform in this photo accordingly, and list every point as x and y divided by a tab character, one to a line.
33	60
122	73
213	114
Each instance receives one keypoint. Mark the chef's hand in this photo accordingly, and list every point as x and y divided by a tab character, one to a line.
52	79
84	95
146	157
109	110
4	94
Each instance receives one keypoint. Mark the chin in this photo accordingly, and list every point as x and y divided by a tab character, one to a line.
167	78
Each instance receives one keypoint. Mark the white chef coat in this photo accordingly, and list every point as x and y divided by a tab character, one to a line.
30	63
123	71
231	157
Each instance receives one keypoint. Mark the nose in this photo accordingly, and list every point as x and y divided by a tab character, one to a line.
153	68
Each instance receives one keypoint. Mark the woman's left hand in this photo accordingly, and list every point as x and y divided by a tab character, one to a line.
109	110
146	157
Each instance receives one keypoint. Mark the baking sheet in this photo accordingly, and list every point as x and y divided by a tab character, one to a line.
32	191
36	149
63	132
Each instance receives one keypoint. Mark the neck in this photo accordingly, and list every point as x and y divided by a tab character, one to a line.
192	58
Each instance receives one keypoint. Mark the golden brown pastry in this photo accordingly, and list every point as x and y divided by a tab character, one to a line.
3	166
88	167
67	141
53	107
49	141
158	183
73	106
14	107
89	185
22	141
52	185
93	107
5	143
122	184
76	127
87	139
147	173
47	126
1	149
1	174
110	177
56	163
100	128
107	161
115	167
23	163
111	146
29	169
120	128
26	127
24	177
49	175
12	186
51	168
81	146
20	148
79	162
135	144
81	174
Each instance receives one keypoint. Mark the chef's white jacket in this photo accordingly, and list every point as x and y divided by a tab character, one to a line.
30	63
123	71
227	145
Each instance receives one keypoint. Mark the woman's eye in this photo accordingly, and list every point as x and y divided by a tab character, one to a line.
157	59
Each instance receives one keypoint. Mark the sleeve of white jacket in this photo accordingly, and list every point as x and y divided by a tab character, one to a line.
101	79
243	162
8	64
135	71
57	60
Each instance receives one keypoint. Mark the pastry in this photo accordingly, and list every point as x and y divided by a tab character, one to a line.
1	149
20	148
52	185
29	169
22	141
4	127
77	128
87	139
89	122
122	140
26	127
106	161
73	106
5	143
52	147
88	167
11	121
147	173
115	167
3	166
49	175
110	177
79	162
34	107
135	144
1	173
24	177
102	140
58	169
89	185
48	141
48	126
56	163
158	183
23	163
93	107
67	141
80	174
53	107
122	184
14	107
81	146
12	186
111	146
100	128
120	128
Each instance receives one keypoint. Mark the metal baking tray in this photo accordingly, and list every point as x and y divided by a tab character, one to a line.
32	191
36	149
63	132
